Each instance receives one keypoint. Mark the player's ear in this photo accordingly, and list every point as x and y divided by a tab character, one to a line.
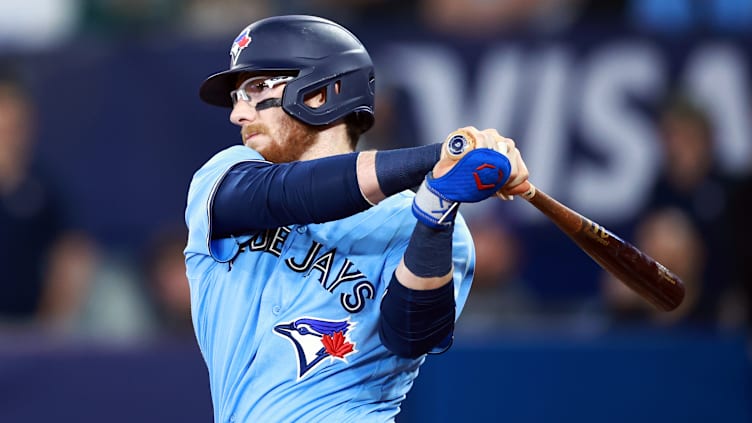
318	98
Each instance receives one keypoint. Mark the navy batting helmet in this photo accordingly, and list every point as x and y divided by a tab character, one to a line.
318	52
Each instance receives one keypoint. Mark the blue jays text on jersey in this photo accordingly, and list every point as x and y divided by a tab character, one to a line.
287	318
318	265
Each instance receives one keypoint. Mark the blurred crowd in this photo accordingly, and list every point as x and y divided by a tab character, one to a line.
58	279
35	23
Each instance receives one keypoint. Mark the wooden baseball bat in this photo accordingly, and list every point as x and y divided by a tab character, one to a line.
644	275
640	272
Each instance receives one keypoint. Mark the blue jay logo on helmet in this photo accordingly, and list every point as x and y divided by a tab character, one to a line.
315	340
240	42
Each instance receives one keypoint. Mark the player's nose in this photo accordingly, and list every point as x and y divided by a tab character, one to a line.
242	113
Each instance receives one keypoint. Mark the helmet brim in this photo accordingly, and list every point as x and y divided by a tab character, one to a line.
216	89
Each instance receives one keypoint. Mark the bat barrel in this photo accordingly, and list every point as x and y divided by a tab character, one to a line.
644	275
648	278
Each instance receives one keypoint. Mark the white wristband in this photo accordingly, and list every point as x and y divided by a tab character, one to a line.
432	209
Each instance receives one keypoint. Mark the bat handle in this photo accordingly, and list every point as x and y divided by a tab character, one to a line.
526	190
530	192
564	217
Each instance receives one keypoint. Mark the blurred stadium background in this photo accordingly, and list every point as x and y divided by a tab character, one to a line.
636	113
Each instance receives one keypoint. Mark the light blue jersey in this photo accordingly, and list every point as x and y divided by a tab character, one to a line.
287	319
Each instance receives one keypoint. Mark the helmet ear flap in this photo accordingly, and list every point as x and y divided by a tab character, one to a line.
346	93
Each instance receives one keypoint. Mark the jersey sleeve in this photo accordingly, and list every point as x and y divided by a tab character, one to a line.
201	194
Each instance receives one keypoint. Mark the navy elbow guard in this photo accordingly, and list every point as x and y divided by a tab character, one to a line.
413	322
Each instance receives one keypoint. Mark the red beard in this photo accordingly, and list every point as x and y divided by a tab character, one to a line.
288	144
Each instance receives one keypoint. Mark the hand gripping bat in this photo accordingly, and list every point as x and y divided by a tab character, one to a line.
640	272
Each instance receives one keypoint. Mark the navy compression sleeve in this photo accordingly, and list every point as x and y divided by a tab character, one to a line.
413	322
258	195
395	167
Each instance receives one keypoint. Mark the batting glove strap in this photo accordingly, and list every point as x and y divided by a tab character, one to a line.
475	177
433	209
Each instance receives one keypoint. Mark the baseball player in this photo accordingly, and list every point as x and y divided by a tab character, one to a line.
318	280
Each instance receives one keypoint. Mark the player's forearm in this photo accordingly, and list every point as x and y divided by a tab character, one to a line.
427	261
385	173
367	179
258	195
410	280
417	312
397	170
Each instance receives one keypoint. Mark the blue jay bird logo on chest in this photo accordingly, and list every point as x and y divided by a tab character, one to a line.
316	339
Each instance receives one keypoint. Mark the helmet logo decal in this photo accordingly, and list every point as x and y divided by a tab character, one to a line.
240	42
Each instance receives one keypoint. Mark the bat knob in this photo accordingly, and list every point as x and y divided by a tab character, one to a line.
457	145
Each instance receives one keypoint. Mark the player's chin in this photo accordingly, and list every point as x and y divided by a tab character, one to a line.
257	142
